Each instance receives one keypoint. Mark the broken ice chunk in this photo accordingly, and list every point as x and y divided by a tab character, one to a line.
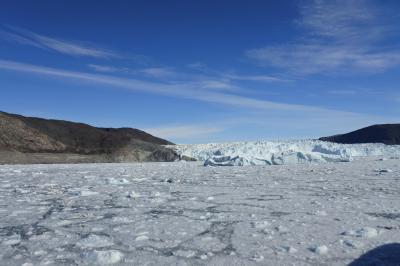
320	250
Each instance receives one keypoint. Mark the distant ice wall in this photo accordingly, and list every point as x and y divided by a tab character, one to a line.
281	152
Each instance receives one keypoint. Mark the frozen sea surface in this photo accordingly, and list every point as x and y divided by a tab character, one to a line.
187	214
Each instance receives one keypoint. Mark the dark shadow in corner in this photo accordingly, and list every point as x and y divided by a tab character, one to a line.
385	255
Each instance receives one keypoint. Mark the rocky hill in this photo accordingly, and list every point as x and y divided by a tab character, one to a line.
386	133
38	140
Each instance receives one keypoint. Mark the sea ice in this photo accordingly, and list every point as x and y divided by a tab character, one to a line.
94	241
259	215
103	257
320	250
366	232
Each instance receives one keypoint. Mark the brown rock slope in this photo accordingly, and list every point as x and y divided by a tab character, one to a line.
36	140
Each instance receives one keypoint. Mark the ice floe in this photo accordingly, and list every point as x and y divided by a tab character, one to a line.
260	215
320	250
103	257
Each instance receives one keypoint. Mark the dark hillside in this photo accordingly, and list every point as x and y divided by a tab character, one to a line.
31	135
386	133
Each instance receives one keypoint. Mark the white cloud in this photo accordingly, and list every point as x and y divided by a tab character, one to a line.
184	90
262	110
317	58
102	68
216	81
30	38
13	37
284	118
285	124
217	85
347	21
183	132
342	92
197	65
158	72
260	78
339	36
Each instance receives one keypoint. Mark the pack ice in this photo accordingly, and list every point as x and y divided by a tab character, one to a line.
281	152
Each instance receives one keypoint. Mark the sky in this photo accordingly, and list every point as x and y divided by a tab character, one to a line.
204	71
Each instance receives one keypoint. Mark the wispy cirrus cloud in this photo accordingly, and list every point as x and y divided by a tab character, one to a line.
229	75
342	92
167	74
338	36
286	125
320	58
26	37
184	132
255	112
106	69
158	72
217	85
345	21
202	77
259	78
188	90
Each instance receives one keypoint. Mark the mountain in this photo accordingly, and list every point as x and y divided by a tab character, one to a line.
37	140
386	133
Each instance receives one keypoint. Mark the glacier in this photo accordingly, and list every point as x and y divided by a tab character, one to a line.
281	152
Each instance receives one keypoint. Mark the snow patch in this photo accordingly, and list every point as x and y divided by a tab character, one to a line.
320	250
142	238
260	224
289	249
12	240
116	181
366	232
257	258
185	253
86	193
104	257
94	241
133	195
281	229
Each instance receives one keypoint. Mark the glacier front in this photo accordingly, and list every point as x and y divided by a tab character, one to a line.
281	152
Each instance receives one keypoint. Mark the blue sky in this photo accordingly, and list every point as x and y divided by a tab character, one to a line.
201	71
